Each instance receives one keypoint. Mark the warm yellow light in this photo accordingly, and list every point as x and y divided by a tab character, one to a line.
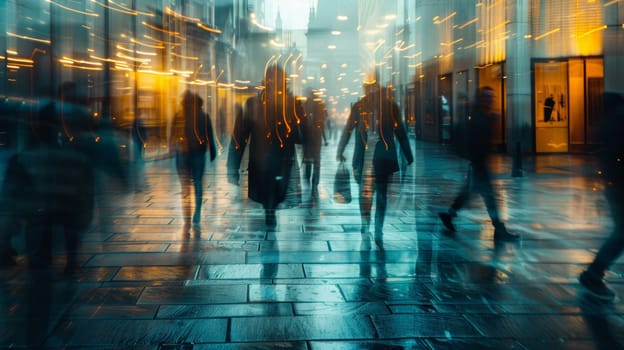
45	41
73	10
209	29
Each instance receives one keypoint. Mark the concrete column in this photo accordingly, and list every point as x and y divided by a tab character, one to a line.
518	55
613	44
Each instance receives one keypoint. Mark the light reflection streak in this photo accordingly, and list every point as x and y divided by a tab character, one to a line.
73	10
25	37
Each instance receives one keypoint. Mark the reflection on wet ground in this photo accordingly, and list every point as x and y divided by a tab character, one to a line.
314	282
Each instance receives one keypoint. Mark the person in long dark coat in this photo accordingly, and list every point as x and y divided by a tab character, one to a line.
314	135
192	137
269	124
377	121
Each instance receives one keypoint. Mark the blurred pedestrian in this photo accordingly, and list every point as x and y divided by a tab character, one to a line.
270	125
314	135
192	136
50	183
612	165
376	119
478	131
139	138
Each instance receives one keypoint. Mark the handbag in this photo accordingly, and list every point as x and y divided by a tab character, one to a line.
342	184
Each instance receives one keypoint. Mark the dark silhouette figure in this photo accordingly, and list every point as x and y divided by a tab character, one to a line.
192	136
270	125
478	130
612	163
139	136
50	184
314	133
376	120
549	105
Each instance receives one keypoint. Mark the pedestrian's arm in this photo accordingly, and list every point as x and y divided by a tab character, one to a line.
346	133
401	134
240	137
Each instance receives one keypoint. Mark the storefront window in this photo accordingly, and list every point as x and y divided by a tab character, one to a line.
551	107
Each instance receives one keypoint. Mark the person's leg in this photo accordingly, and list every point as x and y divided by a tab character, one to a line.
10	227
460	200
38	234
381	200
316	175
71	248
198	166
483	185
366	201
381	192
613	247
464	194
307	170
184	175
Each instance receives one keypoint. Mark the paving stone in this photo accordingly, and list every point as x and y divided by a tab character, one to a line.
130	333
300	328
224	310
423	325
194	294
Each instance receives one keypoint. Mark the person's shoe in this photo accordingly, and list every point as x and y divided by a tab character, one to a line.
501	234
596	287
447	221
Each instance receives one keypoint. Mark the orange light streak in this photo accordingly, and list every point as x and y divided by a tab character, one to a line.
73	10
25	37
209	29
541	36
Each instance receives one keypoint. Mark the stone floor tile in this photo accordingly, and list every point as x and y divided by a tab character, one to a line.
224	310
129	333
301	328
294	293
224	294
423	325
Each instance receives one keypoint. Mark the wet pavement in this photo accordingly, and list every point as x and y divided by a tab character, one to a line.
315	283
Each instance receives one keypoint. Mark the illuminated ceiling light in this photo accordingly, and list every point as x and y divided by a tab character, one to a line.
335	32
331	47
342	18
391	16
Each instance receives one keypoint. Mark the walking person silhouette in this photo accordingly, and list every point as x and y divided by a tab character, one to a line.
376	121
192	137
612	163
478	130
269	124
